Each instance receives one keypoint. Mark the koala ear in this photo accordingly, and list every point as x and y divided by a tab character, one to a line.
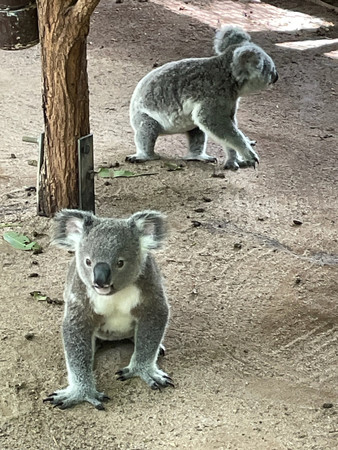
229	35
69	225
152	228
247	63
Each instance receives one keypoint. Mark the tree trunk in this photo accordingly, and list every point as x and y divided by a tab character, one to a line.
64	26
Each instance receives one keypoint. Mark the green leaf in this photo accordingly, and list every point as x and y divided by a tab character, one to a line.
124	173
38	296
20	241
104	172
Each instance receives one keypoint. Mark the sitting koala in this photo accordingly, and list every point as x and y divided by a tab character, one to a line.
199	97
113	291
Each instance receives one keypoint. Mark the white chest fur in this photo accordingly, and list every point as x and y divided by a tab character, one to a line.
118	321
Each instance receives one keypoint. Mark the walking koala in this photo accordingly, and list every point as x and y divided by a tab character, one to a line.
113	291
200	97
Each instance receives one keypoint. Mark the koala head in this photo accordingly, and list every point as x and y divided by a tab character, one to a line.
252	68
110	253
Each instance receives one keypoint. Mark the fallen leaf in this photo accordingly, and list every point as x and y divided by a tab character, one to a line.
20	241
124	173
105	172
38	296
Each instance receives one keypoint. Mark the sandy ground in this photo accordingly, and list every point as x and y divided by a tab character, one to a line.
252	340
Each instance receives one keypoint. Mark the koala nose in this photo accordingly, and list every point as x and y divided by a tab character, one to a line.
276	78
102	274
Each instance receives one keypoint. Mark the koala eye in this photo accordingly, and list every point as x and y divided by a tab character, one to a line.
120	263
88	262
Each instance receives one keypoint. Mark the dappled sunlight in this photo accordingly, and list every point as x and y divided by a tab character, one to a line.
252	16
305	45
333	55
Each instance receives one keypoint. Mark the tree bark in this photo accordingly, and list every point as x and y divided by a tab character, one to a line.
63	28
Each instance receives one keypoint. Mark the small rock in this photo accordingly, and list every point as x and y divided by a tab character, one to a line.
37	251
196	223
297	222
327	405
298	280
218	175
29	336
237	245
107	183
19	386
199	210
33	275
13	156
207	199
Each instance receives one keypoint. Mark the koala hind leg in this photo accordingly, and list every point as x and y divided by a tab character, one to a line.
197	146
146	130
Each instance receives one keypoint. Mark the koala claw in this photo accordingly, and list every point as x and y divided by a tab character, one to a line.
154	377
231	165
66	398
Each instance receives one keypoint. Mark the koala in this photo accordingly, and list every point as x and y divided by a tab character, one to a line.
200	97
113	291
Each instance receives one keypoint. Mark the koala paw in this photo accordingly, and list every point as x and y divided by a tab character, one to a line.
249	160
71	396
139	158
231	165
154	377
245	164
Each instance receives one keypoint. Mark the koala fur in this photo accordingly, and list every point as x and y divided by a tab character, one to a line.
199	97
113	291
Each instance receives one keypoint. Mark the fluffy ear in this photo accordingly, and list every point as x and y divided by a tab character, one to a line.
152	228
229	35
69	225
247	63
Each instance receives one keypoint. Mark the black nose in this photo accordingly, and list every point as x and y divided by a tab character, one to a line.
102	274
276	78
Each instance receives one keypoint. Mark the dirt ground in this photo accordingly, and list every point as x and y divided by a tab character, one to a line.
252	342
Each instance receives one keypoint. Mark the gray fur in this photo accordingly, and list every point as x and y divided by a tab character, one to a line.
199	97
113	291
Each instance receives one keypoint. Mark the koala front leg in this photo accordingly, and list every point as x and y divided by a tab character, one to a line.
148	336
146	131
225	132
197	146
79	346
